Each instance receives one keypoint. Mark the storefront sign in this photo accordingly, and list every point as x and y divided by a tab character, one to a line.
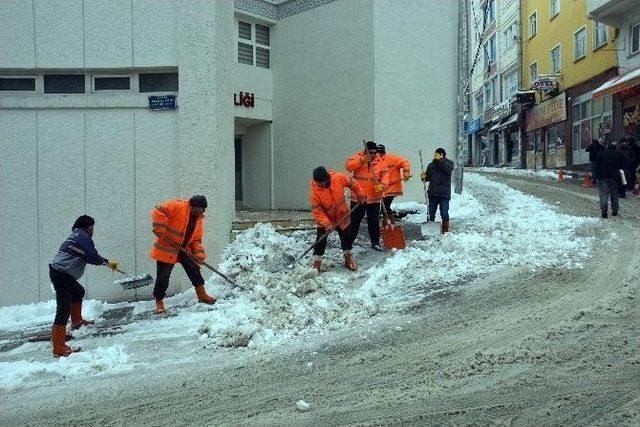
547	113
243	99
501	110
474	126
162	102
545	83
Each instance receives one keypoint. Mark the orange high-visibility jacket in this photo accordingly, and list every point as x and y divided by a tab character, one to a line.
169	220
394	164
328	205
367	175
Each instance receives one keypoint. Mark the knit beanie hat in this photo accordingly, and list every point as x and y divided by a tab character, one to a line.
320	174
84	221
371	145
198	202
381	149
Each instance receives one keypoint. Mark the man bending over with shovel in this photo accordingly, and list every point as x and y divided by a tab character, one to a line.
178	227
331	212
66	268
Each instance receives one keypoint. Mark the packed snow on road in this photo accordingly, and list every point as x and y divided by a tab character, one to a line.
276	302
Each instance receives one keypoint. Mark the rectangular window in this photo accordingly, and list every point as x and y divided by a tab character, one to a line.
555	60
635	38
244	30
262	35
17	84
579	44
489	13
533	24
490	51
555	8
159	82
480	102
262	57
245	53
112	83
510	84
533	71
488	94
599	35
64	83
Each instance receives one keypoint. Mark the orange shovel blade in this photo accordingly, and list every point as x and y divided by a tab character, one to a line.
393	237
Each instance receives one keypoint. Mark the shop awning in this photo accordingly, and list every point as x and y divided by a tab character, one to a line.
618	84
506	122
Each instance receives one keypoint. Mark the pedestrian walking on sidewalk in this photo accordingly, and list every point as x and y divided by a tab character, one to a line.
608	166
438	174
629	157
594	150
66	268
179	223
394	164
331	212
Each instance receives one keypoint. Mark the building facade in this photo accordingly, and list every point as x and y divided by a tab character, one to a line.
107	108
566	57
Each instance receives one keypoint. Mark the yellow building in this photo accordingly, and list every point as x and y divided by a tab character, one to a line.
565	57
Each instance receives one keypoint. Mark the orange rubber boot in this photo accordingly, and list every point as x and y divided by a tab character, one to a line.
349	262
445	226
58	336
202	295
159	306
76	316
317	264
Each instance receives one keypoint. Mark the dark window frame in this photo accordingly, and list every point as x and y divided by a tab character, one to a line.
172	89
97	77
51	91
21	91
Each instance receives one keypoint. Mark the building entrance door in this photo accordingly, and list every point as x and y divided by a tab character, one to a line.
238	156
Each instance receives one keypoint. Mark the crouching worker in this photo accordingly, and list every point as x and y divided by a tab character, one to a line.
65	269
178	223
330	211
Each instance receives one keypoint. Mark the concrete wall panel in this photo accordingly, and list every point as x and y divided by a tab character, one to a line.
61	182
154	29
17	47
108	33
110	192
59	33
19	281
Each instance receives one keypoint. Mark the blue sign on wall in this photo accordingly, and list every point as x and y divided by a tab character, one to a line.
162	102
474	126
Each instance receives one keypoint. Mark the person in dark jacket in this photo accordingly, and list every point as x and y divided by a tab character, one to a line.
628	155
594	151
608	166
438	174
65	269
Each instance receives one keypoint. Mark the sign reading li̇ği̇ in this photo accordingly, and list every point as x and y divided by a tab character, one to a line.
245	99
162	102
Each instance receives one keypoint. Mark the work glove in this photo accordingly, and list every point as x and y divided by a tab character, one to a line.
378	188
362	200
113	264
437	157
406	177
423	177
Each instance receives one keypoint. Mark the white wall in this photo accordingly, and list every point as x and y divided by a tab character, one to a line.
323	93
256	80
415	80
256	166
626	61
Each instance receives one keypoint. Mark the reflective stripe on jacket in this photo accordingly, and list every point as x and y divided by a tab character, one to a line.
169	221
366	175
328	205
75	253
394	164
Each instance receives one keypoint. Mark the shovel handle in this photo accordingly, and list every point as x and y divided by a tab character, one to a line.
210	267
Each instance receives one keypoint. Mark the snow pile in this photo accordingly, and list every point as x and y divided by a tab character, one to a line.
514	230
101	360
461	207
539	173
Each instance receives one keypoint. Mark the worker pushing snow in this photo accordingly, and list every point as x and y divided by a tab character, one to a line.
330	211
370	171
178	226
66	268
438	174
394	164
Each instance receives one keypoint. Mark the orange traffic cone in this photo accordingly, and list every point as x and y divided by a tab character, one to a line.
560	175
586	181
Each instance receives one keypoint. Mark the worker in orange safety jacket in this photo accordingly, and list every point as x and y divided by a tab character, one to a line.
394	164
370	171
331	212
179	223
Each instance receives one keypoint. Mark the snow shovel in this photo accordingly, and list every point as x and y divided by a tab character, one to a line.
392	235
428	228
133	282
209	266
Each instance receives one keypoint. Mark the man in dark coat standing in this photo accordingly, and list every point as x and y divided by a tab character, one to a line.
594	151
608	167
438	174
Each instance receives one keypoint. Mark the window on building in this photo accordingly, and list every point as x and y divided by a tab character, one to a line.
480	102
158	82
635	38
254	41
555	60
490	51
591	120
112	83
510	37
510	84
17	84
555	8
533	71
579	44
599	35
533	24
64	83
488	94
490	13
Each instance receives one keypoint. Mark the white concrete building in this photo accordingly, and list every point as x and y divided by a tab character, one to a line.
495	51
78	135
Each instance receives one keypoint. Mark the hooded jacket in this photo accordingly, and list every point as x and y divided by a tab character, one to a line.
328	205
75	253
